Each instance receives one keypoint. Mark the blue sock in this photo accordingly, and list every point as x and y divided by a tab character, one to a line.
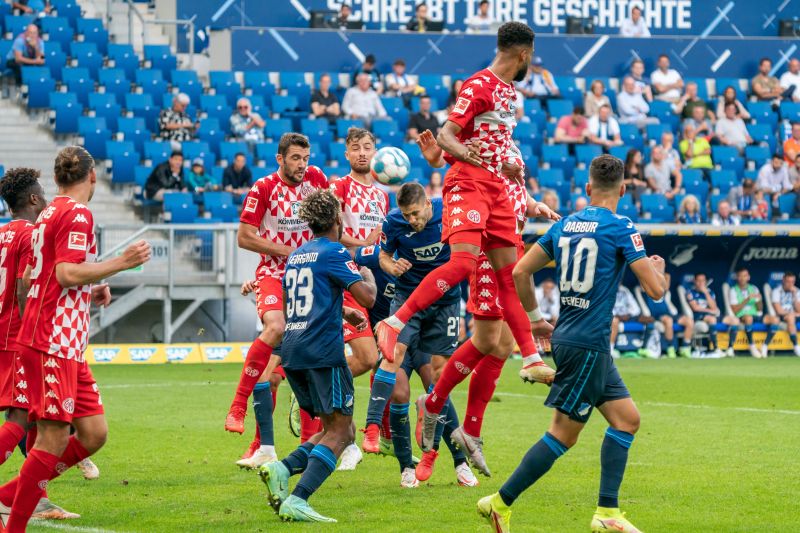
713	336
437	436
321	464
771	330
793	338
401	434
748	331
382	387
451	424
297	461
613	458
535	464
262	405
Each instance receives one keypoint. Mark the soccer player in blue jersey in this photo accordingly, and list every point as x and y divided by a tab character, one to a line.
591	249
703	303
411	249
312	353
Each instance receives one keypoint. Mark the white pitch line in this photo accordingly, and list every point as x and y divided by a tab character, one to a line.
49	524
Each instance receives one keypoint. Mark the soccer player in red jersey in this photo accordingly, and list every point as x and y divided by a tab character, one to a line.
54	333
270	226
478	212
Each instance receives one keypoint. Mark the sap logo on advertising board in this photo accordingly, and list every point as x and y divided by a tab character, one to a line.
142	354
105	355
178	354
218	353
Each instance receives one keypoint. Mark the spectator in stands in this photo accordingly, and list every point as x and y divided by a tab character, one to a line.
701	123
580	204
661	178
174	123
634	179
424	120
604	129
324	102
435	185
549	300
724	216
572	129
539	83
345	15
237	177
482	21
419	22
696	151
595	99
247	125
632	107
667	83
398	83
747	305
689	210
791	146
634	26
773	178
362	102
30	7
794	173
626	309
530	182
671	156
729	96
786	303
642	87
455	88
790	81
550	199
761	209
766	87
731	130
743	200
197	180
368	67
26	50
165	177
685	106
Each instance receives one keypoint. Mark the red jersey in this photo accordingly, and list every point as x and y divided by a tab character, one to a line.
364	207
519	200
15	254
56	319
273	206
485	110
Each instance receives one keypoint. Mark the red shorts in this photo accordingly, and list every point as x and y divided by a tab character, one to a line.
483	302
59	389
279	370
269	295
14	381
477	209
350	332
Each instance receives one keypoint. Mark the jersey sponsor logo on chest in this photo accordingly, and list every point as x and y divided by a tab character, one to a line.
428	253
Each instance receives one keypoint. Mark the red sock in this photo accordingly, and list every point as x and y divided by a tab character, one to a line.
10	435
513	312
274	398
454	372
481	388
386	430
254	365
257	436
73	454
308	426
438	282
36	471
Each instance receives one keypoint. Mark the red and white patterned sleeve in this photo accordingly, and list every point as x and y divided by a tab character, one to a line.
474	99
255	203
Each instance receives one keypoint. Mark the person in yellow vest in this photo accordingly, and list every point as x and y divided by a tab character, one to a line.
747	305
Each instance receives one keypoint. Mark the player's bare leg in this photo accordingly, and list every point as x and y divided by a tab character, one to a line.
364	356
688	331
669	335
772	322
256	362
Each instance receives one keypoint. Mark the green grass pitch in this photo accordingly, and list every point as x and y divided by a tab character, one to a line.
717	452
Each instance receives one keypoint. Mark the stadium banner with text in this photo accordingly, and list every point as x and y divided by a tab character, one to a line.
734	18
137	354
270	49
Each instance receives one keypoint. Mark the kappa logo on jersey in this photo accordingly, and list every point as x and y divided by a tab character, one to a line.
80	218
457	222
21	399
638	244
22	385
485	293
251	204
456	211
77	241
442	285
271	299
474	216
456	188
485	279
486	265
468	92
455	198
51	363
51	410
484	306
461	105
50	379
68	405
51	394
428	253
47	213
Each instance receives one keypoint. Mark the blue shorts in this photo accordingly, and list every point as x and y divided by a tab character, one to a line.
585	379
414	360
433	330
322	390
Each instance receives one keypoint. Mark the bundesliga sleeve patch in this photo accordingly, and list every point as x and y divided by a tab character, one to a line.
251	204
77	241
638	244
352	266
461	106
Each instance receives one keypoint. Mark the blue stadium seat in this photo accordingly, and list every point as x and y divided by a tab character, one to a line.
553	178
105	105
16	24
125	58
435	87
87	55
628	210
217	198
337	150
57	30
631	136
657	207
557	108
702	88
620	152
715	200
663	111
114	81
92	31
266	151
211	132
584	153
762	133
224	212
581	178
140	175
257	83
157	151
723	180
134	129
724	83
292	80
259	106
142	106
277	127
342	125
67	109
317	130
54	59
414	154
95	134
284	103
160	57
67	9
762	113
790	111
229	149
151	80
693	183
186	81
387	131
655	131
727	157
529	136
40	85
179	208
224	83
80	82
216	106
124	158
194	149
569	89
786	203
554	152
758	153
396	109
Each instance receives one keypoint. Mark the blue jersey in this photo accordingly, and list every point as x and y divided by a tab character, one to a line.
424	250
693	295
657	308
316	275
367	256
590	249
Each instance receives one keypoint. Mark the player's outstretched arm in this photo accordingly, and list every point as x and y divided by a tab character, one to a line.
75	274
650	273
364	291
249	239
540	209
431	151
448	140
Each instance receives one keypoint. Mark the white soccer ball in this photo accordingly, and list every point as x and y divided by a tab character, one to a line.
390	166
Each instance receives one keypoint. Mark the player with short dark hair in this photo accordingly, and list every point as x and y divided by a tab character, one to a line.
591	249
312	354
703	303
54	333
